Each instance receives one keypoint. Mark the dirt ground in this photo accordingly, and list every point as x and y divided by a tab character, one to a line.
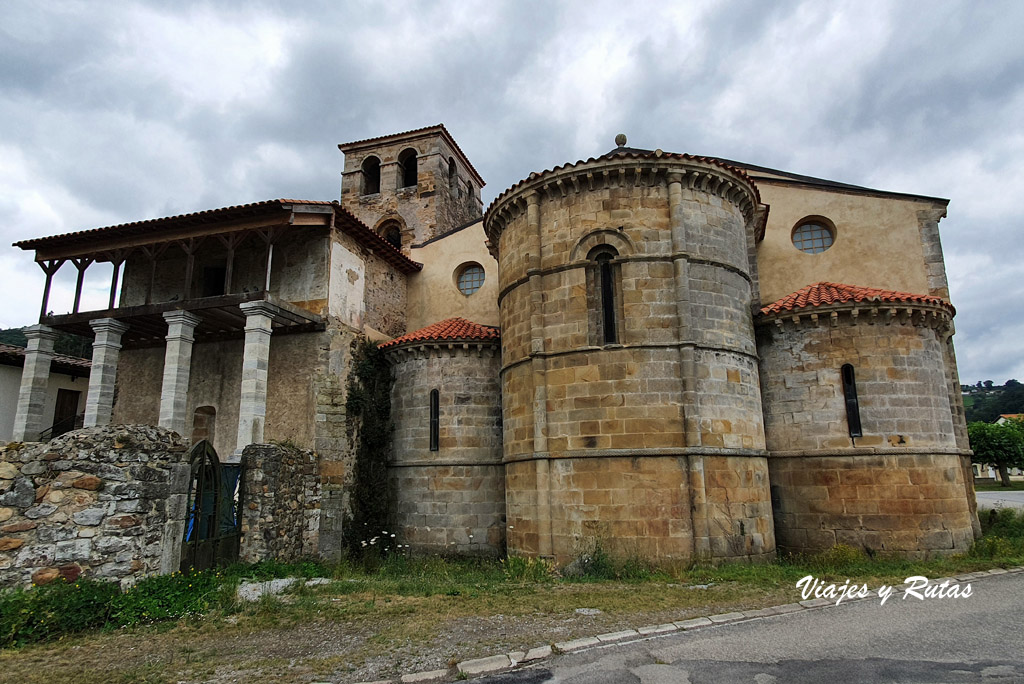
331	636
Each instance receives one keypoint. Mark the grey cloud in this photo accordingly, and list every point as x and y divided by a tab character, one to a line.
111	139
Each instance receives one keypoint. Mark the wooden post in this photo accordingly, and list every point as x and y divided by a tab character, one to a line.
190	262
113	283
231	242
81	264
268	238
49	268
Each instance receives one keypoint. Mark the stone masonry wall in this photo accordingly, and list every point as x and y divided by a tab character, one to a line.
899	487
431	208
281	503
104	502
654	441
451	500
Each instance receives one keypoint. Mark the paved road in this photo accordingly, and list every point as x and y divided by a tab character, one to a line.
1003	499
974	639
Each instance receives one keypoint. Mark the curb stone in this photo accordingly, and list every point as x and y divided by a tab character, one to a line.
481	665
514	658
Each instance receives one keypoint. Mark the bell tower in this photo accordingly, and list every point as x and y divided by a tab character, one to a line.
410	187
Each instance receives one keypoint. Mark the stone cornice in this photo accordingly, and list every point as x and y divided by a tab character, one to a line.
920	314
621	171
422	349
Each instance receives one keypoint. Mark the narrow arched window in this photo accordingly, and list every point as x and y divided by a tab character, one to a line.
371	176
407	168
850	397
602	295
453	175
435	419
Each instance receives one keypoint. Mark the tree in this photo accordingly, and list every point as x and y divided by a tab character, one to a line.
998	445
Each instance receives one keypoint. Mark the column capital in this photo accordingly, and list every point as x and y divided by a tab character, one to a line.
182	317
260	307
40	332
108	325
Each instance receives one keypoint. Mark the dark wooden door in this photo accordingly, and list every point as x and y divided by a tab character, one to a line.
65	412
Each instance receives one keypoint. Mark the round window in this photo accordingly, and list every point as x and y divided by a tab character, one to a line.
469	278
813	237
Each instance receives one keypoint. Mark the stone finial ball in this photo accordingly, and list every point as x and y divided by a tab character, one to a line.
620	140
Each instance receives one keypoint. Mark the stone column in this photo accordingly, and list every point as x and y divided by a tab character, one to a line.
35	377
177	364
106	349
252	407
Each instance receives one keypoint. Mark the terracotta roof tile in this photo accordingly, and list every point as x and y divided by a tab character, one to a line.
824	294
12	351
448	330
347	222
205	216
149	227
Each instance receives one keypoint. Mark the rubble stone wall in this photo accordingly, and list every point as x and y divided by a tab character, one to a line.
107	502
281	503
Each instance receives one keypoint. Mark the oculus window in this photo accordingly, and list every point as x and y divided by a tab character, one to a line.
469	278
813	236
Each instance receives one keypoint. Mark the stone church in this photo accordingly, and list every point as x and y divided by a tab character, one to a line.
675	356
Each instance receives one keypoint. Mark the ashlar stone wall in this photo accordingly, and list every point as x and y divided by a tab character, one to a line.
653	439
451	500
105	502
901	486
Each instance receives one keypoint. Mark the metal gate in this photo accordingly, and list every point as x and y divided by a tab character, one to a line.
214	505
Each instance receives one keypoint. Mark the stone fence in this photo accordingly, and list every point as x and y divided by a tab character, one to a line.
108	502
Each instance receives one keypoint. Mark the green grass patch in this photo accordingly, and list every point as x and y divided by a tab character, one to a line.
412	595
1015	486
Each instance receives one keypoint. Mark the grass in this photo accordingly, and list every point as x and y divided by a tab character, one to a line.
1015	486
368	625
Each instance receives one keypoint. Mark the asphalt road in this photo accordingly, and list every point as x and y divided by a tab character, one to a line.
975	639
1000	499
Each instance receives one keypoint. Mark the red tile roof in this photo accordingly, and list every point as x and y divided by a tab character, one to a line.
824	294
196	217
15	355
363	234
448	330
149	228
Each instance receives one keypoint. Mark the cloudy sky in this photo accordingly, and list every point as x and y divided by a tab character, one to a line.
113	112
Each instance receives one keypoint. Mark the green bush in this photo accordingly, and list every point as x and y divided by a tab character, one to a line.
993	546
1004	522
167	597
839	558
527	569
53	610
